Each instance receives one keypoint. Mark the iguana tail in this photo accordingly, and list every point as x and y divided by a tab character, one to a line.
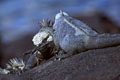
102	41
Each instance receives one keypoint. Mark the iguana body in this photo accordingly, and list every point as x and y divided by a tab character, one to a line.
73	35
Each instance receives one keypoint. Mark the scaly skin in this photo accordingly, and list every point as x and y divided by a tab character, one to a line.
73	36
44	46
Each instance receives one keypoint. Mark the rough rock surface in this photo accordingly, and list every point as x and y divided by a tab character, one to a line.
99	64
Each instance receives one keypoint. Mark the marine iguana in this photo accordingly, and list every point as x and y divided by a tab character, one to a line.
15	66
73	36
44	45
66	37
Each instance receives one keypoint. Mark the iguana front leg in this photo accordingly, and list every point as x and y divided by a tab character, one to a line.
33	60
62	54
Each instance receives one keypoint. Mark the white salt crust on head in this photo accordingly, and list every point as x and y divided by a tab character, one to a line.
60	14
50	38
4	71
39	37
16	64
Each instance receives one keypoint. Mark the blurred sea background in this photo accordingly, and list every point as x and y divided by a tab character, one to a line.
19	20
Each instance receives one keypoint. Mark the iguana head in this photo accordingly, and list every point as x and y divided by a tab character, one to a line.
45	32
16	64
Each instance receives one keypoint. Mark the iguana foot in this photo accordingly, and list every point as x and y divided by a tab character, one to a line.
62	55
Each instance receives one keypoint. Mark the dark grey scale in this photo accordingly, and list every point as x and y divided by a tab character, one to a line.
46	48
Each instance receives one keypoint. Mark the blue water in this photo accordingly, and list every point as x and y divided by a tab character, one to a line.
21	17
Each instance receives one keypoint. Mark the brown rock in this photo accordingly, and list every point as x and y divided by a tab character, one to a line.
99	64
